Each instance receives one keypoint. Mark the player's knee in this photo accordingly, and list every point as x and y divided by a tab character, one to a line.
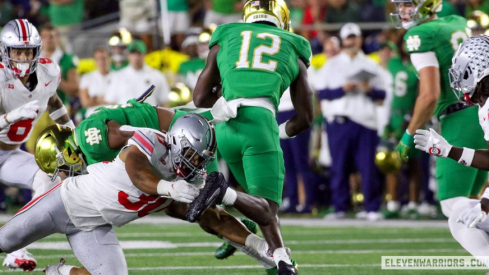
448	205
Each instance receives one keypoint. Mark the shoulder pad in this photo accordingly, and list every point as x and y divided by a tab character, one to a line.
48	67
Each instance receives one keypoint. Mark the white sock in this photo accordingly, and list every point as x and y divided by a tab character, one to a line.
280	254
65	269
253	241
256	243
230	196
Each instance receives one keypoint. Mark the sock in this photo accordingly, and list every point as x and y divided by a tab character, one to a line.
229	197
412	205
262	258
65	269
280	254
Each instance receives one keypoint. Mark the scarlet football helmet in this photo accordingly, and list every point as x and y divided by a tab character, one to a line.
20	34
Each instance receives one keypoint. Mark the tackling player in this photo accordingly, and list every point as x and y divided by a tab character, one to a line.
28	87
256	62
431	43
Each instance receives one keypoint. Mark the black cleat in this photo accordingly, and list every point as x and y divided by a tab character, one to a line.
286	269
211	195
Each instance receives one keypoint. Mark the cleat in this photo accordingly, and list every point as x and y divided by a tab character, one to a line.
226	249
20	259
212	194
54	268
273	271
286	269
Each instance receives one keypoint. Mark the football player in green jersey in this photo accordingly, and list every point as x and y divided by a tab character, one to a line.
255	61
431	43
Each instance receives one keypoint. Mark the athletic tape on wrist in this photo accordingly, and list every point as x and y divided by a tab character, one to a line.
58	113
467	156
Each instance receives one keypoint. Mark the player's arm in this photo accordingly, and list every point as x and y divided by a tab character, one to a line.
58	112
434	144
204	94
429	91
138	168
301	95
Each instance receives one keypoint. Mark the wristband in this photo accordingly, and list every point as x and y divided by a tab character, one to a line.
163	188
58	113
70	124
467	156
282	134
407	139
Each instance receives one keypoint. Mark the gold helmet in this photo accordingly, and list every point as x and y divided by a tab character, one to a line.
273	11
56	151
423	9
180	95
387	160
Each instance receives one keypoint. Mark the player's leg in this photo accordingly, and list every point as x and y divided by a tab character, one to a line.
99	251
41	217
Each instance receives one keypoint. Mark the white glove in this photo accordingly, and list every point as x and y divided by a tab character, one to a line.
179	190
26	111
432	143
472	216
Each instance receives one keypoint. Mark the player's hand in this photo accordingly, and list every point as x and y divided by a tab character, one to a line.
407	141
470	217
432	143
183	191
26	111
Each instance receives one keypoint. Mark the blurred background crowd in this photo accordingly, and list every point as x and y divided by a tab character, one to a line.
110	51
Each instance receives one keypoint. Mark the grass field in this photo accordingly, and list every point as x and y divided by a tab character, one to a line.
161	245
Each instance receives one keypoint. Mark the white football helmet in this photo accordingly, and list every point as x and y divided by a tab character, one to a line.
20	34
192	139
470	64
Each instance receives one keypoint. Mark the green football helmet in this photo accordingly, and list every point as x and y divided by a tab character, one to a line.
56	151
422	10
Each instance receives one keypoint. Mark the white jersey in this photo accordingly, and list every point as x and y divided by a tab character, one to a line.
14	94
107	196
484	119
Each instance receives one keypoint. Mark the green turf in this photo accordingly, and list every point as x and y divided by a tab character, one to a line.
318	250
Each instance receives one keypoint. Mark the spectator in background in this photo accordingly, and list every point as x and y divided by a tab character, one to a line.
136	78
473	5
94	85
139	17
64	14
342	11
220	12
196	47
350	90
179	20
117	44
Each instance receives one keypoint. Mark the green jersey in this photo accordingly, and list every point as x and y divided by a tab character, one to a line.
66	63
404	93
190	71
441	36
91	135
258	60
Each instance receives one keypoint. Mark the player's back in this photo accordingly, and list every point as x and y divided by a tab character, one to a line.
441	36
258	60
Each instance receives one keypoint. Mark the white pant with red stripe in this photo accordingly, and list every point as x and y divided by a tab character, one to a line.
98	250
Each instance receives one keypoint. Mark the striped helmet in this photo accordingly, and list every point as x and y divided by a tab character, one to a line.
20	34
192	141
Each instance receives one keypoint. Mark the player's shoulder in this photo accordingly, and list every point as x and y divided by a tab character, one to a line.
48	67
6	74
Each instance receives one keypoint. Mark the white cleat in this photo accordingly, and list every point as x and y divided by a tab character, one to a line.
54	269
20	259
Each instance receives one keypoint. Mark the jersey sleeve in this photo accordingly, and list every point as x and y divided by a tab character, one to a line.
419	39
145	141
303	48
217	35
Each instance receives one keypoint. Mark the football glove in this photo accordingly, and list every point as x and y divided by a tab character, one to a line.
432	143
179	190
26	111
407	141
470	217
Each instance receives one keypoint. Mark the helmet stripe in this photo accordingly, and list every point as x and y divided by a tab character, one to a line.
23	29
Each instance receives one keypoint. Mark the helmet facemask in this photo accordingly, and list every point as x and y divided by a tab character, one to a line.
189	163
422	10
68	162
22	67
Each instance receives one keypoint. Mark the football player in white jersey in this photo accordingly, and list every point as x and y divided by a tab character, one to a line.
27	88
469	78
141	180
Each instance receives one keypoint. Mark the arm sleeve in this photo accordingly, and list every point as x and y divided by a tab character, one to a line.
422	60
216	36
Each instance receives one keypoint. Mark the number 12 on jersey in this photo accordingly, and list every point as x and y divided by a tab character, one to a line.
258	51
